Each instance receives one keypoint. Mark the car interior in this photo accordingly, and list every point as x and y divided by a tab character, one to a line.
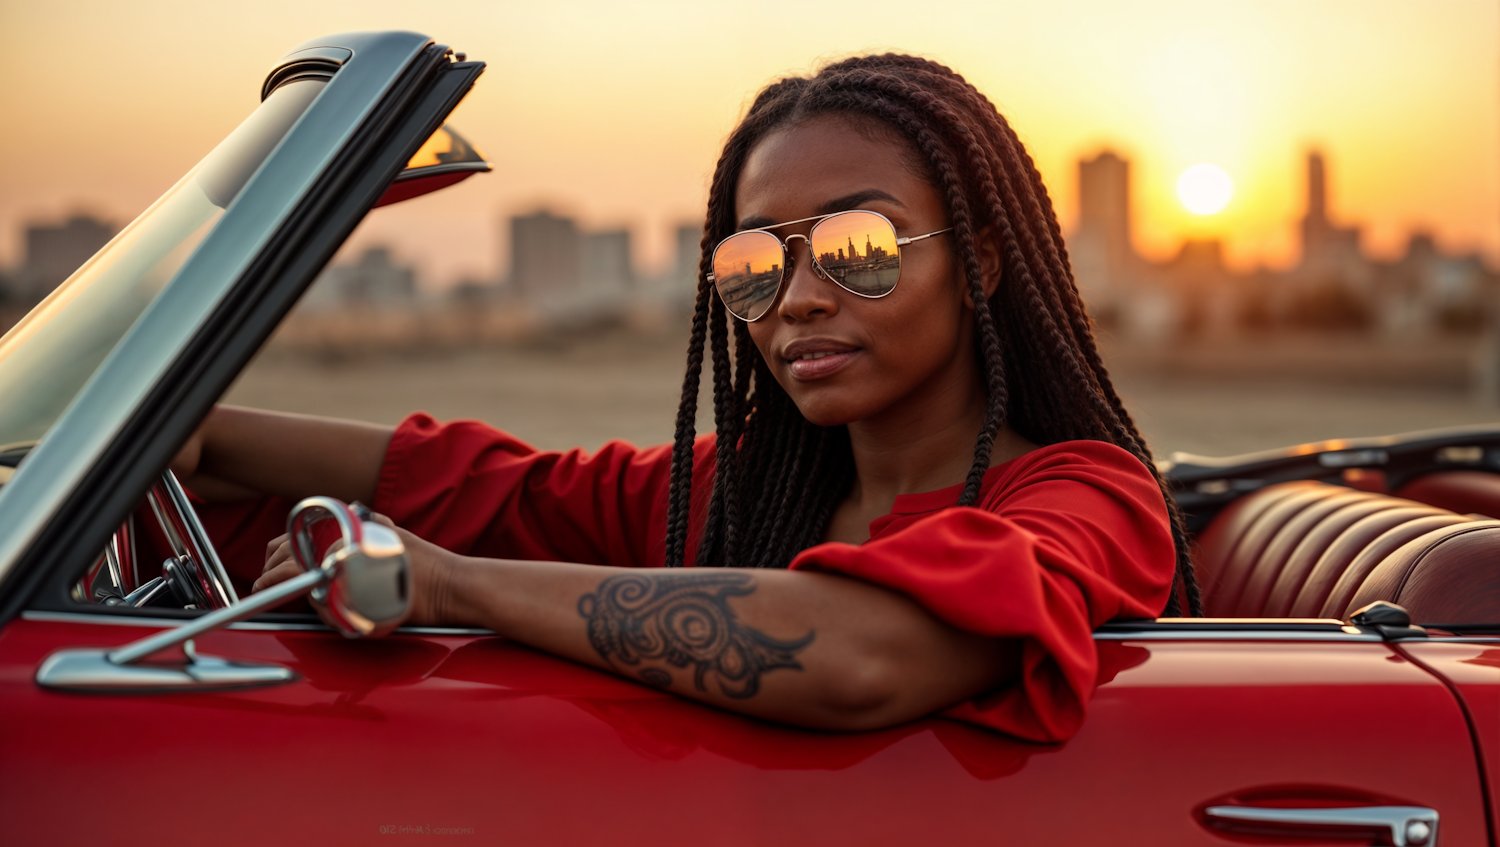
1309	548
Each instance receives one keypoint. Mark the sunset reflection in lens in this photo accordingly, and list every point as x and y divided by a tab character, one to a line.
858	250
747	272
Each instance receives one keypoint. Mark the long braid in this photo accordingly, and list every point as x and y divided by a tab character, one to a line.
780	477
680	489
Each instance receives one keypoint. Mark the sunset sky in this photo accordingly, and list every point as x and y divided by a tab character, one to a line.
614	111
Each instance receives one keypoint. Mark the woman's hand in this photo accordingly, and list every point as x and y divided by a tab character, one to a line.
429	576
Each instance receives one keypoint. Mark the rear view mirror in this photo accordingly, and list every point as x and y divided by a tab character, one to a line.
444	159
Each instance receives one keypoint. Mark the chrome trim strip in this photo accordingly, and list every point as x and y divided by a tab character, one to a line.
1234	635
106	619
120	385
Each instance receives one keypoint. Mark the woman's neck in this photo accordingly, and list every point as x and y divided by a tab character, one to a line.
923	444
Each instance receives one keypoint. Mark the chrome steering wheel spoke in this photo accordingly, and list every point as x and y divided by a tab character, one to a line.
193	576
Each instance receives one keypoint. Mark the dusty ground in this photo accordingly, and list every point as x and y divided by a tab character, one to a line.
587	390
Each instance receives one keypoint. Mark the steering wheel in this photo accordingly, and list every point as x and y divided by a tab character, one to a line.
191	578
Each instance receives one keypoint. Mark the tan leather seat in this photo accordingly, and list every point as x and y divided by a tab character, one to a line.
1309	549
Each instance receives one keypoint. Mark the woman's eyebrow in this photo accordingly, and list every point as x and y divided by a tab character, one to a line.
755	222
842	204
857	199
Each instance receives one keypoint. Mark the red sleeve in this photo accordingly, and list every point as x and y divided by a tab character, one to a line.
1072	536
477	491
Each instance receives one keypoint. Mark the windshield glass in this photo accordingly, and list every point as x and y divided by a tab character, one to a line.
46	359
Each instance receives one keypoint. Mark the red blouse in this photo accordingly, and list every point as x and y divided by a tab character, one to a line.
1063	539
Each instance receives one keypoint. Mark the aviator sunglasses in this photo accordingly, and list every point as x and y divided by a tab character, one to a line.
859	251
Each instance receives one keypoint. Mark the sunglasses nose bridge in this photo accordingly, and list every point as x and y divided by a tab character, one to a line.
812	259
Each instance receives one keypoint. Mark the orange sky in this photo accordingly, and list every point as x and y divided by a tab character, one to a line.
615	110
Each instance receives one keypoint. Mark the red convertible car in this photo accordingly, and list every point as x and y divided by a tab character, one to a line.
1346	689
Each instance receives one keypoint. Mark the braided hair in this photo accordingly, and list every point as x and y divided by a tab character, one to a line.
778	477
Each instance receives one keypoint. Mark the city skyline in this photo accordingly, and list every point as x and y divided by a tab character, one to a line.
623	110
554	258
1335	285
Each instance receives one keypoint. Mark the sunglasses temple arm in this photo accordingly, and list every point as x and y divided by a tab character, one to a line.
902	242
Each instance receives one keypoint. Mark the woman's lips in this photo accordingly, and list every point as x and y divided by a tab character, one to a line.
825	364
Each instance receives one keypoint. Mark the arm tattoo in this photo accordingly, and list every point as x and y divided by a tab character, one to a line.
685	621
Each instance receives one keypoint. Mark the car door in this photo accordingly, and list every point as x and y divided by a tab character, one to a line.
437	732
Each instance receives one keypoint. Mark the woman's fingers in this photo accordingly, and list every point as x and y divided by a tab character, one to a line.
281	572
280	564
277	543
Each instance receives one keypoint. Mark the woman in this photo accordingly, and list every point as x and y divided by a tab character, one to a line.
923	493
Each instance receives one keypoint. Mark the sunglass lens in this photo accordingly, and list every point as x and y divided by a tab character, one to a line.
858	250
747	272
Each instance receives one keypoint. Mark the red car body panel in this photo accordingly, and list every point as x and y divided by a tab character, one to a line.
1474	671
494	740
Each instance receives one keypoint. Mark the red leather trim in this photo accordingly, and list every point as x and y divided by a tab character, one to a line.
1464	492
1264	572
1309	549
1343	549
1315	543
1448	575
1230	577
1340	599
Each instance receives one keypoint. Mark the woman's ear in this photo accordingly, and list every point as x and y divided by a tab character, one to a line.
987	246
990	263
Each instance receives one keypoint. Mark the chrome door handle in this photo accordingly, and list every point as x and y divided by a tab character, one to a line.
1404	826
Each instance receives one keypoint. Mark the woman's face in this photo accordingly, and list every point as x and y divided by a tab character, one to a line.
907	350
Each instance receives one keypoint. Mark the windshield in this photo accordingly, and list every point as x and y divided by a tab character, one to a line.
46	359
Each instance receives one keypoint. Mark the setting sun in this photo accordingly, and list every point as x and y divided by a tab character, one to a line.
1204	189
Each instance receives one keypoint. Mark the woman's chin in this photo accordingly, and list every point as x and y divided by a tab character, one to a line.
829	411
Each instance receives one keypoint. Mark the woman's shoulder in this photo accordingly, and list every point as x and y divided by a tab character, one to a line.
1083	453
1097	464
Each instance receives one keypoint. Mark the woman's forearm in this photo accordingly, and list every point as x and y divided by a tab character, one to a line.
808	649
292	456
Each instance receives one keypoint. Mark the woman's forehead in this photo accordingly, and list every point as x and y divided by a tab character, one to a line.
801	169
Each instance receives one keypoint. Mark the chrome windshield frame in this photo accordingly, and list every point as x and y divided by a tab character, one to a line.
121	384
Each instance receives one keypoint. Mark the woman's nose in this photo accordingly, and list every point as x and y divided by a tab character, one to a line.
804	293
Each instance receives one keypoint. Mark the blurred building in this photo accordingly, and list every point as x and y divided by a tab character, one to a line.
1103	236
1327	249
546	256
374	280
566	274
608	270
1427	289
54	252
688	240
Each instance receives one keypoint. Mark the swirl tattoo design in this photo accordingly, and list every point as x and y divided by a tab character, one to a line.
685	621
